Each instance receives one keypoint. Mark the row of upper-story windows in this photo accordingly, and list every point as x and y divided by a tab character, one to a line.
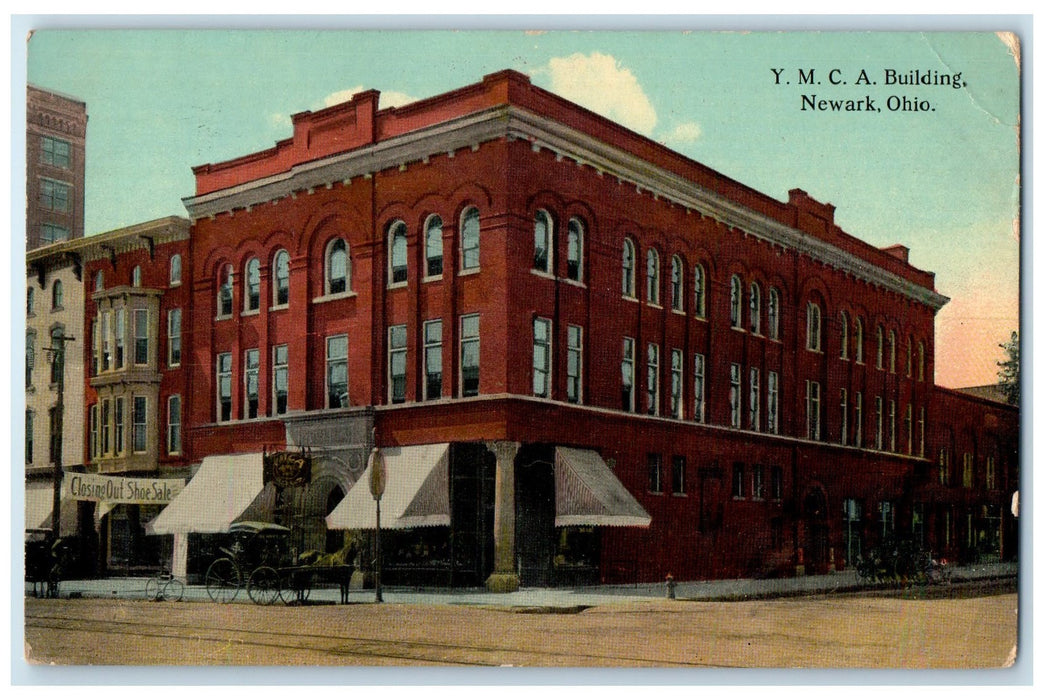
113	330
110	419
54	152
54	430
174	269
57	298
54	195
58	340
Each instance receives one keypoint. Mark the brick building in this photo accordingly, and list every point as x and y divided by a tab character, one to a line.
583	356
55	134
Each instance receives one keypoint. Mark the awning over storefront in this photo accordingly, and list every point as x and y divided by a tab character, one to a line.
588	493
221	492
39	499
416	495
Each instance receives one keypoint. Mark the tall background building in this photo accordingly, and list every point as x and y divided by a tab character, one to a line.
55	133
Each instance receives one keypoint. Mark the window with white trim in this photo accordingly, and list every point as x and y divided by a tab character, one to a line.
106	427
574	364
813	328
93	446
968	472
843	321
280	379
175	269
735	392
920	426
251	377
397	364
542	357
920	361
698	388
652	380
224	295
879	437
469	240
432	359
281	278
57	297
338	267
699	292
136	276
398	270
433	246
469	355
844	416
754	412
141	434
812	409
908	427
627	375
755	308
54	152
174	337
141	336
773	403
859	340
337	371
891	425
174	424
224	387
627	283
575	250
677	363
735	302
880	347
119	331
652	276
857	419
543	248
677	284
117	423
891	351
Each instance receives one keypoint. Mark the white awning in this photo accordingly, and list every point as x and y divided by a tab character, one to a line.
219	494
588	493
39	502
416	495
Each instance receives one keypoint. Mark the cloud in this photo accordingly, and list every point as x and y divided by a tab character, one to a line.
686	132
599	83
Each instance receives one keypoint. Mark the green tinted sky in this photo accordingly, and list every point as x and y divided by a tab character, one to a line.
943	183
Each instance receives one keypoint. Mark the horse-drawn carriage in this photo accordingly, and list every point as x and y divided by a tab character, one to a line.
258	556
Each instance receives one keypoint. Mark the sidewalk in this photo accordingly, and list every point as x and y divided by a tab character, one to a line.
563	599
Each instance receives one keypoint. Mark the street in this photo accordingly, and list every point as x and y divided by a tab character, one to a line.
808	632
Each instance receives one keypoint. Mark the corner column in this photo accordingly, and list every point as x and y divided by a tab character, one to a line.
504	578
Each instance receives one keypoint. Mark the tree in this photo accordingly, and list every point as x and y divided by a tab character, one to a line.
1008	374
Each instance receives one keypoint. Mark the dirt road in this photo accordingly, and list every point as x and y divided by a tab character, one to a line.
822	632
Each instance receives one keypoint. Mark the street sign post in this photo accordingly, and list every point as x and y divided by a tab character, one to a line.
378	480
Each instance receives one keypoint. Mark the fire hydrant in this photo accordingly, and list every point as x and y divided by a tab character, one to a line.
670	587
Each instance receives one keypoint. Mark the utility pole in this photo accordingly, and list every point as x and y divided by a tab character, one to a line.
57	356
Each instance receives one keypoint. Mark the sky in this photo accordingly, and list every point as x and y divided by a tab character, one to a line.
942	180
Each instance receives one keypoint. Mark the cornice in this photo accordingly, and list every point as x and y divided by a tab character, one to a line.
511	122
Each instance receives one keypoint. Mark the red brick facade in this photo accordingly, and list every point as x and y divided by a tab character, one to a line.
756	485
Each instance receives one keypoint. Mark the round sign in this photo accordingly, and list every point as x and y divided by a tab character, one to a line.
378	474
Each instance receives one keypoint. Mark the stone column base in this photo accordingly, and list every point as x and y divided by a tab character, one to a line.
505	582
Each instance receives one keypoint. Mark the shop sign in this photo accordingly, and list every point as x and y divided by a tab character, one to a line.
120	489
288	468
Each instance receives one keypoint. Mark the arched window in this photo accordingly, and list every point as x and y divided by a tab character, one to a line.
920	361
30	301
880	347
56	295
253	285
281	287
859	340
677	295
774	313
844	335
397	266
812	334
627	285
542	246
699	291
575	250
136	276
338	267
469	239
224	299
175	269
433	246
755	308
909	356
891	351
735	302
652	276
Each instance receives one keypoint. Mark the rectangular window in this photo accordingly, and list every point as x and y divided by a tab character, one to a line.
879	437
851	530
174	337
251	375
106	427
777	483
698	388
120	331
54	152
844	416
920	432
738	477
141	438
812	409
224	388
117	425
432	360
141	336
908	427
280	378
757	482
106	341
968	472
575	364
95	348
857	419
397	364
735	392
678	475
53	233
652	394
174	425
655	473
627	375
886	513
469	355
337	371
944	468
755	399
54	195
773	403
541	357
676	383
991	473
93	439
891	425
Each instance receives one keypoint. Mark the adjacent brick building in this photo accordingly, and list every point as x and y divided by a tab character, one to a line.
606	361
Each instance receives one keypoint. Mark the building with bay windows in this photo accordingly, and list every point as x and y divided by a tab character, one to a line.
583	356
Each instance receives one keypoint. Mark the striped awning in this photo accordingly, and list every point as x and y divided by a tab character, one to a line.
588	493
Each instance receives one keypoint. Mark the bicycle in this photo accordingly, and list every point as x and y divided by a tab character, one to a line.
164	586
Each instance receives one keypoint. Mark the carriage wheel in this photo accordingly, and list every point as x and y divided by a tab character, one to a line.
152	589
263	586
174	590
222	581
287	591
